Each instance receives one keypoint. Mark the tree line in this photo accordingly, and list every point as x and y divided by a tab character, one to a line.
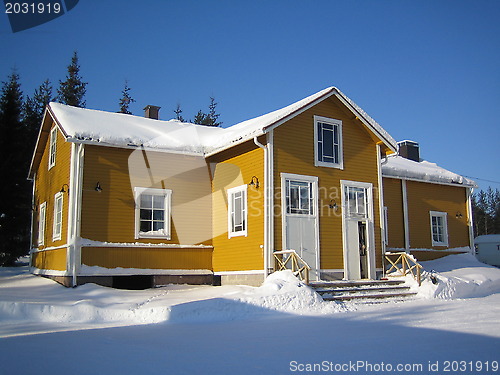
486	212
20	120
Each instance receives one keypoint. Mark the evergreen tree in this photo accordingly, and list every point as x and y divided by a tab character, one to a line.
34	108
486	212
72	90
125	100
210	118
15	191
178	112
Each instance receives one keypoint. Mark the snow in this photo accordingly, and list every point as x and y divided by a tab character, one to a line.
278	328
400	167
117	129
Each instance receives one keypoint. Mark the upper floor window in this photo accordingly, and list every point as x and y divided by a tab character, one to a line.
152	213
58	216
52	147
439	228
41	223
328	142
237	211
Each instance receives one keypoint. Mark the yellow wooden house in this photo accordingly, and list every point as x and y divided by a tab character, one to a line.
122	200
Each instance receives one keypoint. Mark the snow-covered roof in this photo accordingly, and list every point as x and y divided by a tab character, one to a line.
400	167
257	126
117	129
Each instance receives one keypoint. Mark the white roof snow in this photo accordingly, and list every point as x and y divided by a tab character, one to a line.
400	167
117	129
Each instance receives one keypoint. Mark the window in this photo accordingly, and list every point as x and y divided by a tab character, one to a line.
439	228
357	202
328	142
52	147
299	197
41	223
152	213
237	211
58	211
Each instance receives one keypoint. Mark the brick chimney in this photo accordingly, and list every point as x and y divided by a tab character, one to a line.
152	111
409	150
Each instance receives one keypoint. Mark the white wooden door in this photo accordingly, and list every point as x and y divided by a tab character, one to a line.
358	231
300	218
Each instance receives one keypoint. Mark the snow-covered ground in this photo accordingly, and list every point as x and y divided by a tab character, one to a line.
280	328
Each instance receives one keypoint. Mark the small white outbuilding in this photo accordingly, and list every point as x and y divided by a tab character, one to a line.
488	249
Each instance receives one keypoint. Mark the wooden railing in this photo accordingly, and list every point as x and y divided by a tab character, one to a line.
290	260
403	265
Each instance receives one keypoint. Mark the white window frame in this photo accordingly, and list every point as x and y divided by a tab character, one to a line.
444	216
167	195
52	147
58	216
231	230
339	164
42	214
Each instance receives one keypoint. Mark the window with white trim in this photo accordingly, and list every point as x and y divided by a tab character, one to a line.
328	142
152	213
58	216
237	211
439	228
52	147
42	212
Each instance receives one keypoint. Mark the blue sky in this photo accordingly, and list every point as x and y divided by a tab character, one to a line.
426	70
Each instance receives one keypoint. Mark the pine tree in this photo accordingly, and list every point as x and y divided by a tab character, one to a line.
15	191
210	118
125	100
72	90
486	212
34	108
178	112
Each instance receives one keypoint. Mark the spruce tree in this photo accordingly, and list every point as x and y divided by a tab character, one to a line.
210	118
178	115
34	108
125	100
15	191
72	90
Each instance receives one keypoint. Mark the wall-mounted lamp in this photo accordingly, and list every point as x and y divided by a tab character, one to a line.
62	188
254	182
458	215
333	204
98	187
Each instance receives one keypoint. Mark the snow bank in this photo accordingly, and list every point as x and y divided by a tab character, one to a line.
459	276
27	298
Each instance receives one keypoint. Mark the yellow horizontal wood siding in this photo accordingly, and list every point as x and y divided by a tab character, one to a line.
50	259
109	215
47	184
294	153
148	258
232	168
393	200
425	197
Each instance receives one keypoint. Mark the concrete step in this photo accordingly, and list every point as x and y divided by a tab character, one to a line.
360	296
353	283
361	289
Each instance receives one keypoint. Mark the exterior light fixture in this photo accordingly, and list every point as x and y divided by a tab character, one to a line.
62	188
458	215
254	182
333	204
98	187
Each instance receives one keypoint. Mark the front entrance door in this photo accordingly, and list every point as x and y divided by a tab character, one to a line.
300	218
358	231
